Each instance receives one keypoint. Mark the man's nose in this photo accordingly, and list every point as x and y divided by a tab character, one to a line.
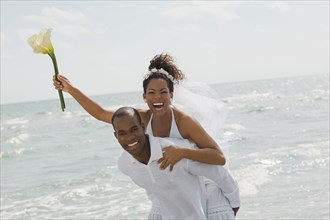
130	137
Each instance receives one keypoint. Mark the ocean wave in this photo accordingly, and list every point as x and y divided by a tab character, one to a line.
256	102
235	127
231	133
72	114
309	155
315	149
249	97
92	201
47	113
230	137
20	138
16	152
268	162
251	178
291	159
259	109
16	121
85	122
320	94
278	161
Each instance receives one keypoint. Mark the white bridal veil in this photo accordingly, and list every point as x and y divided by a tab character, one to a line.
203	103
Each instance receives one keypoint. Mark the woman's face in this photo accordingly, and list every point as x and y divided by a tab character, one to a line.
158	96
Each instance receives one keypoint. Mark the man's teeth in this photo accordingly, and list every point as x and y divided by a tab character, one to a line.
130	145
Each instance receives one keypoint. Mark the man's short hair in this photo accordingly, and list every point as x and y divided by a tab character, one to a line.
124	111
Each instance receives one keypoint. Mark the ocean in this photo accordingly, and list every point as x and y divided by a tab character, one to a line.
62	165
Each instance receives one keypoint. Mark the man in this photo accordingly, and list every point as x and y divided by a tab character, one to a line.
180	193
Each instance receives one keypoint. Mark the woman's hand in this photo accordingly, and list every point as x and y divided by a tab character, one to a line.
171	156
62	83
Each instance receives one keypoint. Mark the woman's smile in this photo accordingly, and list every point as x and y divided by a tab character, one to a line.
158	105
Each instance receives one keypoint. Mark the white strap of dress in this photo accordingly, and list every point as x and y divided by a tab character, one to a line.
174	132
149	129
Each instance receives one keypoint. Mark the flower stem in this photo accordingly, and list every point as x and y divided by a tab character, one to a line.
60	93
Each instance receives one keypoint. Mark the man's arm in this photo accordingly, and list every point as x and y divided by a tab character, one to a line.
221	176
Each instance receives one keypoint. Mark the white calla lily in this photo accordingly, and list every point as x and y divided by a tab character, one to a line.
41	44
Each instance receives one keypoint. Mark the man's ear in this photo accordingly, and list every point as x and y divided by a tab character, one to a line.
171	95
144	96
115	134
143	126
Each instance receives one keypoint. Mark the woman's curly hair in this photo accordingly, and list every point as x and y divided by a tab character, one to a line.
166	62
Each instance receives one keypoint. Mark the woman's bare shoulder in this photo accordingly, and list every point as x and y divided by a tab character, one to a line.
185	122
145	114
181	116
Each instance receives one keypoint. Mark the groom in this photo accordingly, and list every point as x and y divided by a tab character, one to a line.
180	193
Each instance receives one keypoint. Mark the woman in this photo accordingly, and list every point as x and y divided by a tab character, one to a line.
164	120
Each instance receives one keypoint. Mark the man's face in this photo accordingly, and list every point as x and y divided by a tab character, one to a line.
130	134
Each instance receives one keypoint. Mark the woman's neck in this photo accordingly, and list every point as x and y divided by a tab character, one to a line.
161	124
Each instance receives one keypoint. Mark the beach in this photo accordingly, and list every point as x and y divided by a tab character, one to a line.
63	165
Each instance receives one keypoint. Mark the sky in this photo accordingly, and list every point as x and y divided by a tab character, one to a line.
105	47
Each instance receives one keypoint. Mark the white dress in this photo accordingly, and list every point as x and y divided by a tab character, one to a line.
218	206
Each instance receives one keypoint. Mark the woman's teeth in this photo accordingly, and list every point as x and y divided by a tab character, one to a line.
158	105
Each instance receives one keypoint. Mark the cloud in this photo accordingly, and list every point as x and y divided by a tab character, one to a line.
56	16
201	10
66	22
278	6
260	30
174	31
63	45
72	30
23	34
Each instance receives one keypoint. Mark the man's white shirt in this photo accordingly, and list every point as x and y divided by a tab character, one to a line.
180	193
